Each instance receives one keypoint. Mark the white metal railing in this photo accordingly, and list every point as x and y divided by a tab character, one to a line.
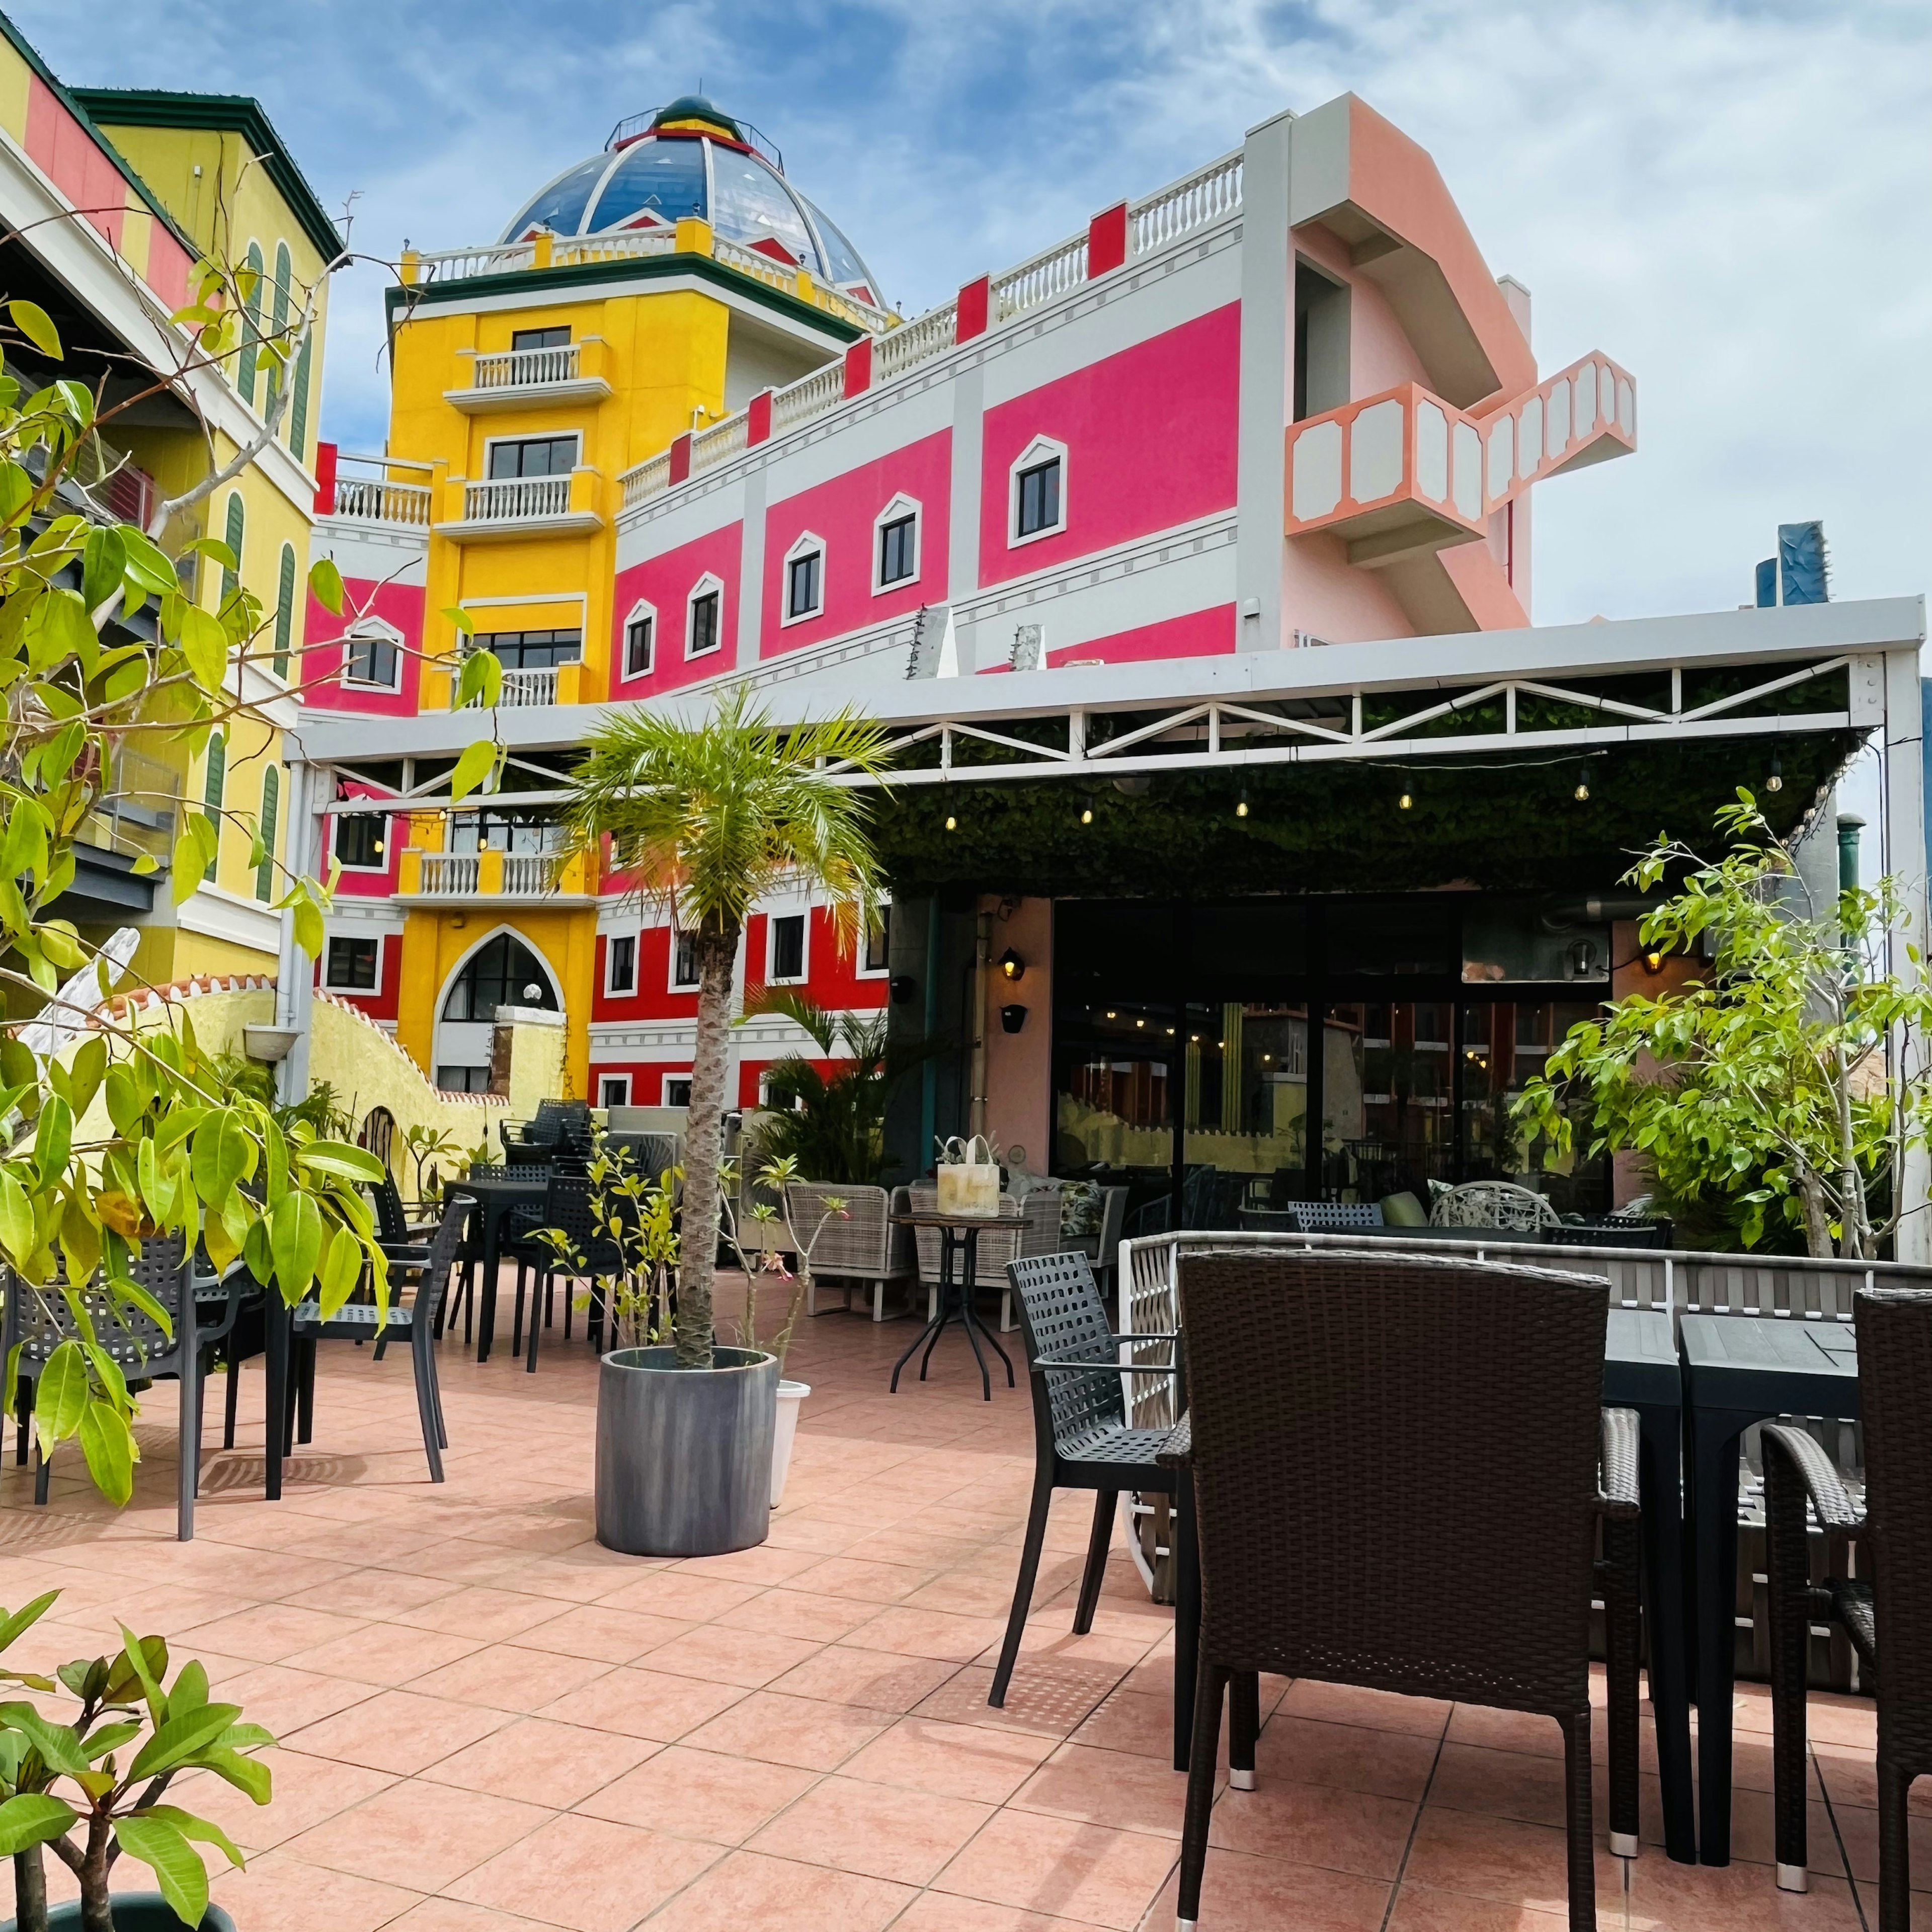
1209	195
810	396
453	265
531	874
651	477
903	348
510	499
522	688
451	872
522	368
719	443
374	500
1051	273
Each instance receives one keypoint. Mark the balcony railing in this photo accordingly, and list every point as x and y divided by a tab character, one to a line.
521	368
1053	272
522	688
493	873
513	499
371	500
534	874
445	874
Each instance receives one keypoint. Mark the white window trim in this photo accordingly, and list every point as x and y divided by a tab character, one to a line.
897	510
664	1089
611	940
638	613
490	443
804	975
329	985
1040	450
705	586
807	545
376	871
604	1080
673	983
375	630
860	970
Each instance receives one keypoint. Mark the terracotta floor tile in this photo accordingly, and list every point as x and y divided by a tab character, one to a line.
371	1593
799	1731
1499	1858
450	1915
720	1654
763	1565
674	1593
1669	1898
646	1704
606	1636
951	1760
586	1873
1350	1757
871	1582
512	1677
435	1837
1236	1890
495	1616
1419	1908
398	1731
1316	1825
1375	1710
747	1889
283	1700
907	1632
1063	1867
1492	1729
1050	1696
947	1912
695	1794
396	1656
800	1613
542	1761
872	1829
876	1678
1126	1723
279	1891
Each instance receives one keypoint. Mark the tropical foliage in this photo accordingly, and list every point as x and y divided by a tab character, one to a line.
706	817
1785	1083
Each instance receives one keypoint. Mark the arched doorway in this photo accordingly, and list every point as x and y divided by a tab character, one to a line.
503	970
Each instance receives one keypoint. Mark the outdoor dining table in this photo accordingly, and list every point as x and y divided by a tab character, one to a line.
1640	1371
959	1241
496	1195
1739	1370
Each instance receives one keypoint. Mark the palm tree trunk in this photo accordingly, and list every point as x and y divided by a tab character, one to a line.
697	1247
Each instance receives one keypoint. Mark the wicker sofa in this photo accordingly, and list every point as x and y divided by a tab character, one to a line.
861	1246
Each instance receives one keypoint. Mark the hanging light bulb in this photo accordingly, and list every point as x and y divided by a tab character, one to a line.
1241	807
1774	783
1583	793
952	823
1405	802
1087	814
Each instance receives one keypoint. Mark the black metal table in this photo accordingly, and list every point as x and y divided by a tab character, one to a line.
1738	1369
496	1196
1641	1372
958	1236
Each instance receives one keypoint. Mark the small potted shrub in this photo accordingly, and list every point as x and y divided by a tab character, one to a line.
92	1789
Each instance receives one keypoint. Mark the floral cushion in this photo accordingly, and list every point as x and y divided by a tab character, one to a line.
1080	1209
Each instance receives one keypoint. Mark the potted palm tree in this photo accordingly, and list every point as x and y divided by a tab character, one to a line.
706	818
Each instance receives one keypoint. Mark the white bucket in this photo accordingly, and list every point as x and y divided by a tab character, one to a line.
784	1429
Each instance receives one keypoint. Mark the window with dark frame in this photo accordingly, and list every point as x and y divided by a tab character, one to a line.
354	965
539	338
1039	497
878	941
532	650
374	659
532	456
788	947
614	1091
622	976
358	838
703	624
684	959
677	1093
639	646
897	548
804	576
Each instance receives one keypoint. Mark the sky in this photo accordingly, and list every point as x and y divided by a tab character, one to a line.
1731	200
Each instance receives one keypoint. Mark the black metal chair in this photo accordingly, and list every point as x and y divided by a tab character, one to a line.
1891	1596
592	1251
356	1322
1082	1439
1400	1469
38	1322
470	1256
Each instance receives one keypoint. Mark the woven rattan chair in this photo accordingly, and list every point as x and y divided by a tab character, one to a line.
1493	1203
1396	1464
857	1248
999	1243
1893	1595
1039	1235
1082	1438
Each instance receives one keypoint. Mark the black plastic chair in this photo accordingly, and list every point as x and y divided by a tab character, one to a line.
1082	1439
568	1209
356	1321
470	1256
38	1323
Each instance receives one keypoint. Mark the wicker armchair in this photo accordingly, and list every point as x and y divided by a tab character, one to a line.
861	1246
1039	1235
1493	1203
997	1245
1400	1469
1893	1595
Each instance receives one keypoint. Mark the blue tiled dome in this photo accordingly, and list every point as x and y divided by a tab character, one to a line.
693	160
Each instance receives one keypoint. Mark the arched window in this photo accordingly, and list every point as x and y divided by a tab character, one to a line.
251	328
213	782
232	535
285	610
503	972
379	1132
271	808
278	322
299	404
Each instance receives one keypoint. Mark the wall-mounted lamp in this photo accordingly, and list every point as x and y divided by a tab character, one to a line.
1012	966
1652	960
1012	1019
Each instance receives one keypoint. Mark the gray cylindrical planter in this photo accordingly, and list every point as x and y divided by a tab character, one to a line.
684	1456
133	1912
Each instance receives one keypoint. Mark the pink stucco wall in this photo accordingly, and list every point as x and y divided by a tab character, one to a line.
1151	441
1019	1066
400	605
369	881
666	583
842	511
1201	633
73	160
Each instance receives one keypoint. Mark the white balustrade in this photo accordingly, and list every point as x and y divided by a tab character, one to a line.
454	264
522	688
633	244
448	873
812	395
530	875
522	368
1053	273
719	443
643	481
372	500
905	348
1210	195
511	500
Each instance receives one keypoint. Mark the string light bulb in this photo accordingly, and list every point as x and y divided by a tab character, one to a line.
952	823
1405	802
1241	806
1086	814
1774	783
1583	792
